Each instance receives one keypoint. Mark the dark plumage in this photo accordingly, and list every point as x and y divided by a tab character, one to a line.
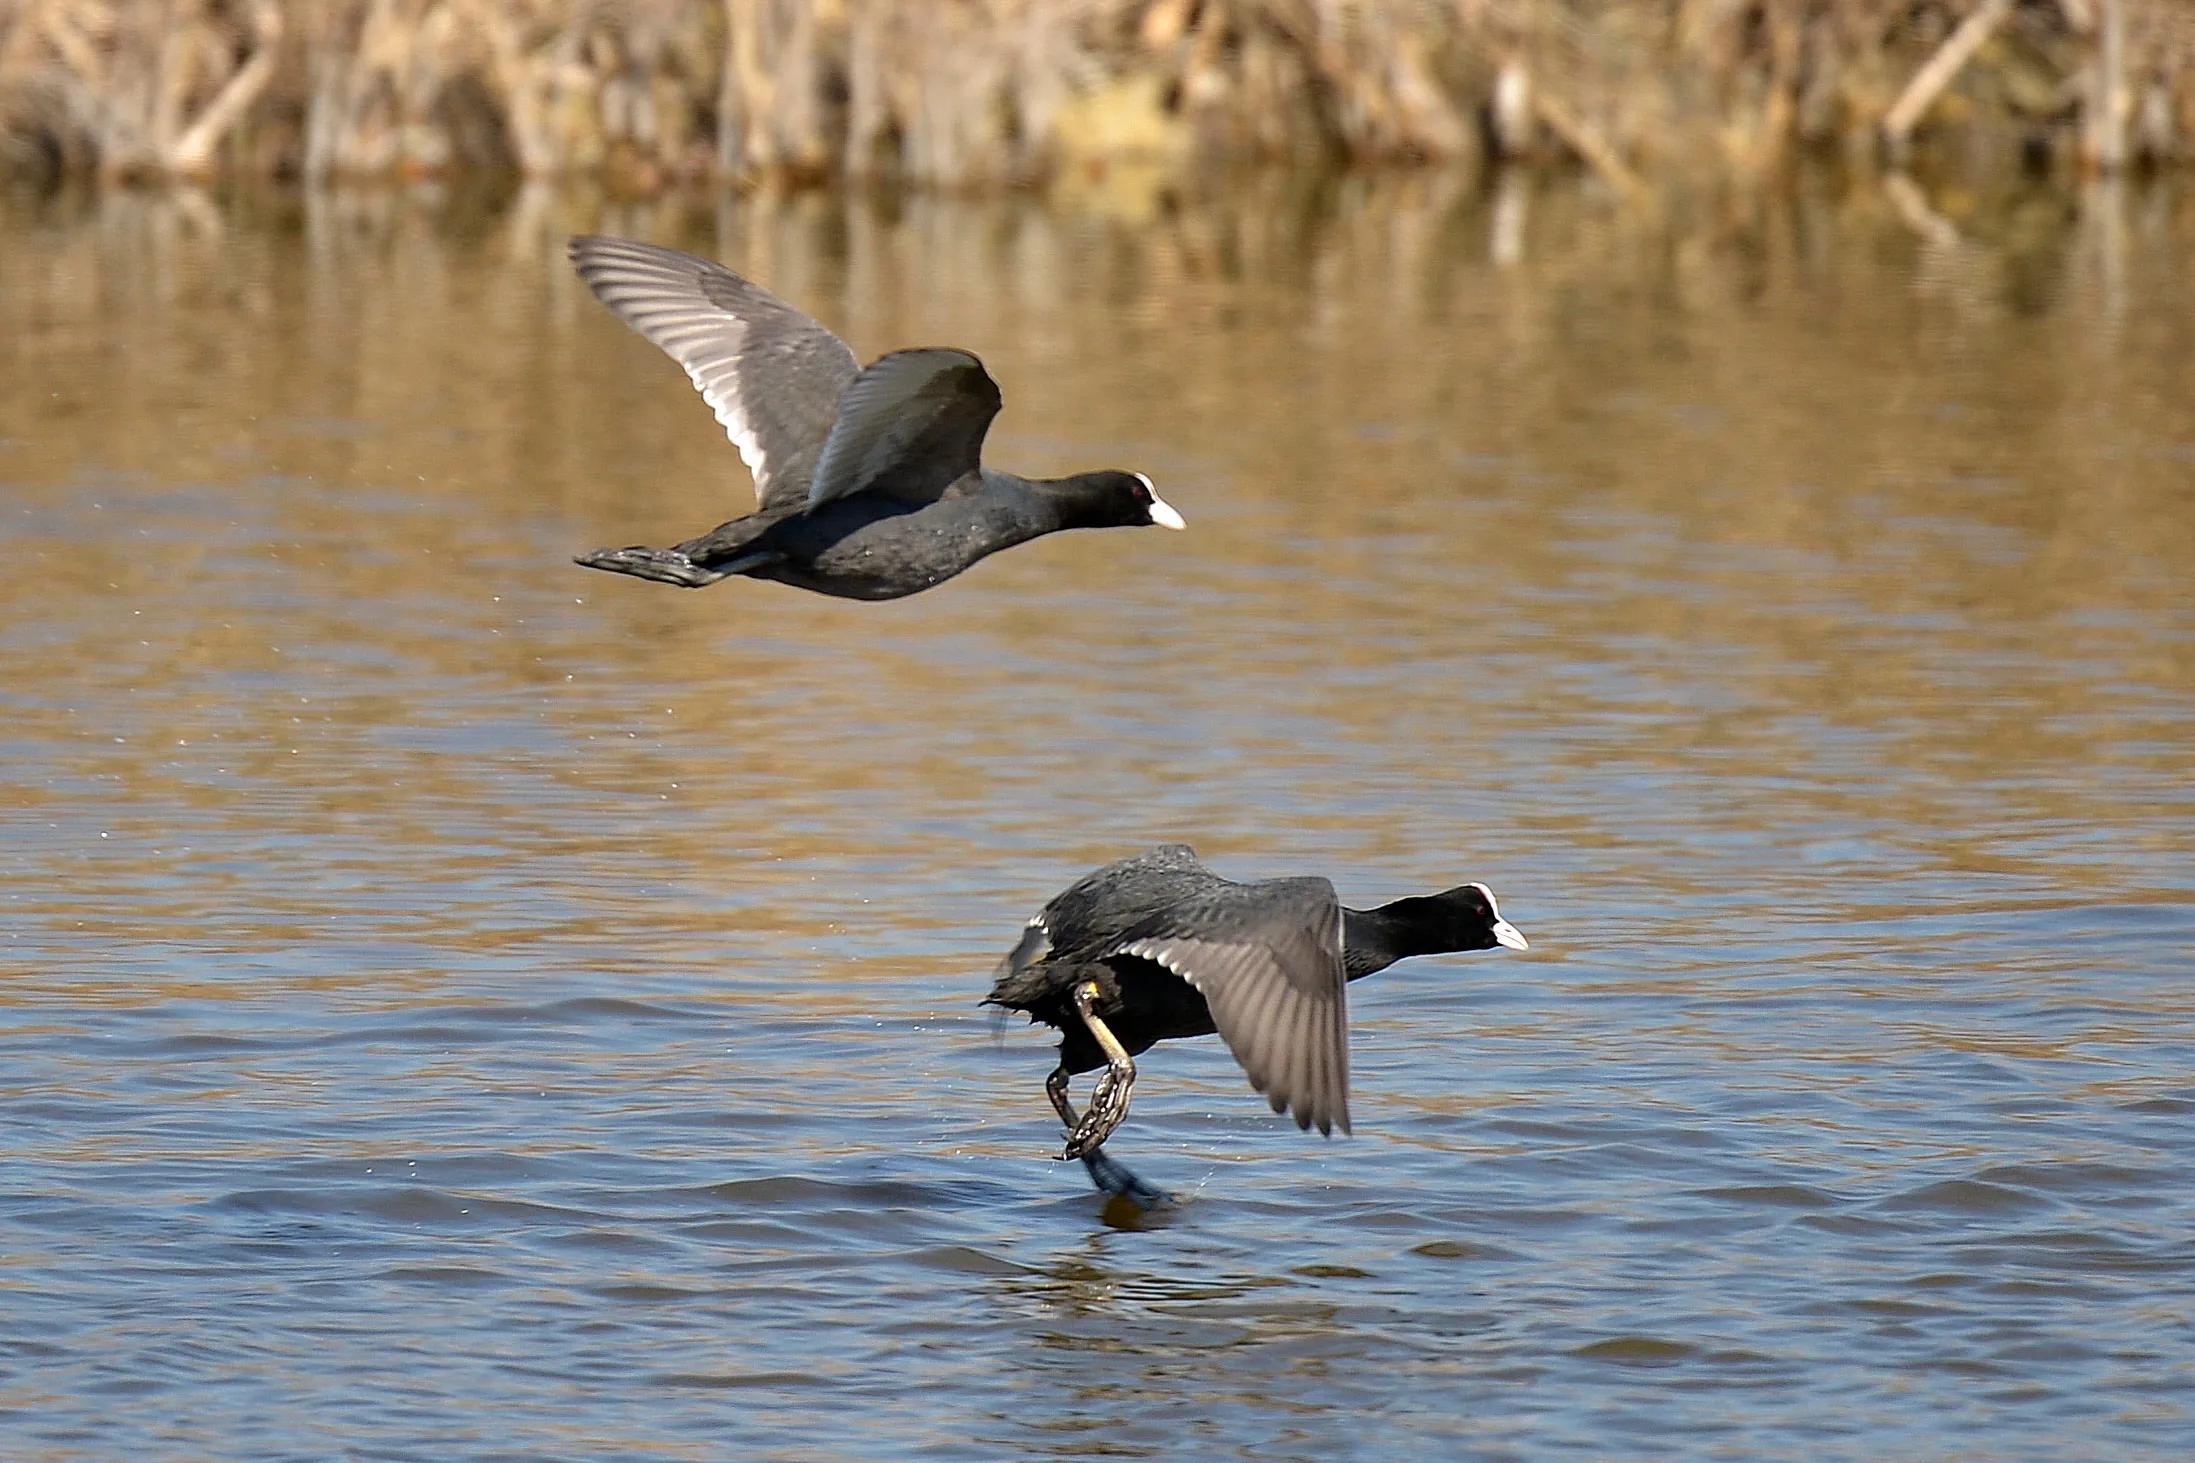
870	480
1158	946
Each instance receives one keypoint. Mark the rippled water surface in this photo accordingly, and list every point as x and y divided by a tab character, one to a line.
454	1006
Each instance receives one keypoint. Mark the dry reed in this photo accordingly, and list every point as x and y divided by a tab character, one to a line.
970	92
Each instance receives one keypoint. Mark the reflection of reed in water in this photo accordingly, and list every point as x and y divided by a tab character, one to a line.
650	91
1590	460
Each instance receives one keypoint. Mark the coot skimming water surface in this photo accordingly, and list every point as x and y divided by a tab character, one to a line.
1158	946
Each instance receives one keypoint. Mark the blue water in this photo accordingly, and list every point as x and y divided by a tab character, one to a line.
454	1006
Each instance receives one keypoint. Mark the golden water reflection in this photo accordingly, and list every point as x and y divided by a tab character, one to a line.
1781	603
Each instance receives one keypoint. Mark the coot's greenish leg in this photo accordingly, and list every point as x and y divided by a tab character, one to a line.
1109	1102
1055	1088
1110	1177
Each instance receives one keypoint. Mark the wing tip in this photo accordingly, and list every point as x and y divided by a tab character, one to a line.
592	254
585	250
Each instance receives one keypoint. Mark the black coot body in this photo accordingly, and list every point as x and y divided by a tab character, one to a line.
870	480
1158	946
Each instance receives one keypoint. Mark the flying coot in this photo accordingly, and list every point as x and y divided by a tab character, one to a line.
870	479
1158	946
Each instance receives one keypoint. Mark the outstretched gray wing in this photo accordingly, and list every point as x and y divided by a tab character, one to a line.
772	375
910	426
1267	960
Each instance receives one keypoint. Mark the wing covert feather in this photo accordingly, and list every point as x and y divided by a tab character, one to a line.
910	425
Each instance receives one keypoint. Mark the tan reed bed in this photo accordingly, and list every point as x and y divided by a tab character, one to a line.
985	92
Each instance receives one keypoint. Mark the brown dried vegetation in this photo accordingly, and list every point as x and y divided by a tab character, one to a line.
969	92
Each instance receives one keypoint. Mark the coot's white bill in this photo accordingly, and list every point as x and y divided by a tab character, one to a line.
1163	513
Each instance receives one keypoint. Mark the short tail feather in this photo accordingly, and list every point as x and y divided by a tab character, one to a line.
665	566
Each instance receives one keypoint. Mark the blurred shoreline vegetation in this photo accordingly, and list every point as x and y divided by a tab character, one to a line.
648	94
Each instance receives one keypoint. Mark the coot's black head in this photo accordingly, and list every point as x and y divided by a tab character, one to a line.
1117	500
1464	918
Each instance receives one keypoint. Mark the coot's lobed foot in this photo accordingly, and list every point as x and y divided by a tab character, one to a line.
1113	1177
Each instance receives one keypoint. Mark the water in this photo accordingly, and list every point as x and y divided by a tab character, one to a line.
453	1005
